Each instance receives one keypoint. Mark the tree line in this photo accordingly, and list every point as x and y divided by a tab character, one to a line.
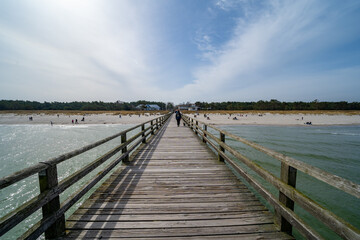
120	106
277	105
80	106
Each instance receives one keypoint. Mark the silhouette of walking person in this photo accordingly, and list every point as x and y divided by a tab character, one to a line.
178	117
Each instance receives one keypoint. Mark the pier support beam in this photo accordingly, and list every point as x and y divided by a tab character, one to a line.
48	179
152	127
222	138
205	129
288	176
143	135
124	150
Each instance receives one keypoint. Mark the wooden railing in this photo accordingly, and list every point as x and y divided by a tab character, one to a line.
53	212
288	194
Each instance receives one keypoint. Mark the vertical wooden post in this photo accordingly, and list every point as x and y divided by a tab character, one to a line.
205	129
143	134
124	150
288	176
222	138
196	126
157	124
192	124
152	127
48	179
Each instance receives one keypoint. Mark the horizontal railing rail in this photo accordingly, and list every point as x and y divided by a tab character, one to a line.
288	194
53	221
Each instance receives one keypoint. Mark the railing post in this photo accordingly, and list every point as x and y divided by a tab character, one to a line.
205	129
48	179
124	150
192	124
288	176
152	127
143	134
222	138
157	124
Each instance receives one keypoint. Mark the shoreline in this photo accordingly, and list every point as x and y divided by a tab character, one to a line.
265	118
278	119
76	119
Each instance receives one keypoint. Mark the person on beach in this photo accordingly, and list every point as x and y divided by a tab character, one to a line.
178	117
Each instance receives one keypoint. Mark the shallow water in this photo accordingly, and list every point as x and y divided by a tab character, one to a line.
335	149
22	146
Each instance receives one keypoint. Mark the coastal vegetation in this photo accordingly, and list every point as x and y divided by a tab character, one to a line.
277	105
78	106
272	105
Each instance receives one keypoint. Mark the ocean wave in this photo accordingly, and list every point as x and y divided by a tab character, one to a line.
70	126
345	134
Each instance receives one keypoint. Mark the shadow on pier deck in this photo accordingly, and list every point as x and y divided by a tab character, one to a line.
173	188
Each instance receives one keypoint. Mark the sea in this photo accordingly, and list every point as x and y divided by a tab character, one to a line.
335	149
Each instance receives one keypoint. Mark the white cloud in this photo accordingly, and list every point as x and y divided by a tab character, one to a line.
81	50
228	5
279	43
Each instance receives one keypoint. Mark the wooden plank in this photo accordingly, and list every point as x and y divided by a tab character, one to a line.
174	196
169	217
174	188
201	205
251	236
167	199
188	210
177	232
108	225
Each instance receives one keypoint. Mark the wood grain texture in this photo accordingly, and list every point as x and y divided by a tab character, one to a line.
173	188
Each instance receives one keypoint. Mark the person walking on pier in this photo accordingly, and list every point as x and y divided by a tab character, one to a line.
178	116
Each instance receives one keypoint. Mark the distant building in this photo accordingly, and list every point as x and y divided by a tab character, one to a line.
193	107
140	107
190	107
152	107
182	107
148	107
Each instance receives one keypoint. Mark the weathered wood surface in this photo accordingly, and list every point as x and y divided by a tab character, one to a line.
174	188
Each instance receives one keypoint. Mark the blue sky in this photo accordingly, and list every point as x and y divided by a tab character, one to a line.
180	50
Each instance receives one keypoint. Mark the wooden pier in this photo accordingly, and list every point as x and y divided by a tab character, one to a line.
173	188
168	184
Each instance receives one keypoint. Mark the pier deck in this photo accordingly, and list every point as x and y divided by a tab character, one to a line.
174	188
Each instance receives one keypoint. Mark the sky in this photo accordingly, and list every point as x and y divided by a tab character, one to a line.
180	50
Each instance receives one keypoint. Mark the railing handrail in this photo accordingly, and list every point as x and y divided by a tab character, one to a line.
326	177
50	189
338	225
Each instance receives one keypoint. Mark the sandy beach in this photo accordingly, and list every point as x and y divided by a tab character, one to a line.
211	118
66	119
277	119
